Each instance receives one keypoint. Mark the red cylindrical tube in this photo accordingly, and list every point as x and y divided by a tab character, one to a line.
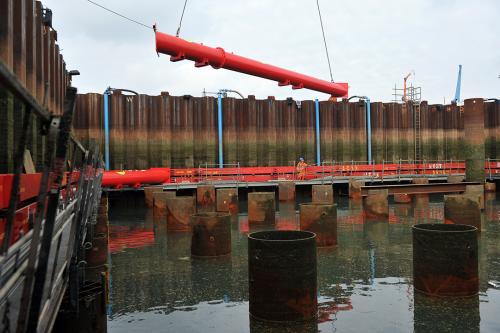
180	49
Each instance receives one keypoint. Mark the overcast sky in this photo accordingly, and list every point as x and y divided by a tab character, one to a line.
373	44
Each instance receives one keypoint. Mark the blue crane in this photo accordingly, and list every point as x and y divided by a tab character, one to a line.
459	84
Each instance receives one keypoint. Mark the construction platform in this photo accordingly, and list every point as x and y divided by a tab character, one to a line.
245	177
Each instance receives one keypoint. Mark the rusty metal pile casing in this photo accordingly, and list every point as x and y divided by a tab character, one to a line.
211	234
490	187
148	194
322	194
445	259
462	209
205	198
421	201
160	202
261	208
179	211
404	211
282	276
421	208
227	201
376	206
287	218
402	198
476	192
322	220
355	188
286	191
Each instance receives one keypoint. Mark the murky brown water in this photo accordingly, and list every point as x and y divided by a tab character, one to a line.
364	285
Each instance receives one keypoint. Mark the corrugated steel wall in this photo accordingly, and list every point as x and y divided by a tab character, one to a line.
30	50
181	131
492	129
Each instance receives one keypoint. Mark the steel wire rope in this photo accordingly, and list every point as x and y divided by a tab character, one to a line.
121	15
180	21
324	40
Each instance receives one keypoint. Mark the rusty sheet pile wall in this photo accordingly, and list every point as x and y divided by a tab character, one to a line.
28	47
492	129
181	131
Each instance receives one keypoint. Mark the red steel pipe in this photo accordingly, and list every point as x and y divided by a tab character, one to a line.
135	178
180	49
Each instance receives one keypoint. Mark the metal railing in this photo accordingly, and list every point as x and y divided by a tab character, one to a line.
211	172
35	265
331	171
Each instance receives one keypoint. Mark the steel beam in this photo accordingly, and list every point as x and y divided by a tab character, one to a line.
419	188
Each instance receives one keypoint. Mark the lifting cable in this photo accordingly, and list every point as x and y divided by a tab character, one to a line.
180	22
324	40
121	15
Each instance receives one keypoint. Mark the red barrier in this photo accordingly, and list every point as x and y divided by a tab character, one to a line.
29	186
21	223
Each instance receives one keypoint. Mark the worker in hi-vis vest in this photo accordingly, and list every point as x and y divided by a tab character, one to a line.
301	169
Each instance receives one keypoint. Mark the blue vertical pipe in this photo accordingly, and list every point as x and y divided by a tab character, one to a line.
219	128
368	130
106	128
318	143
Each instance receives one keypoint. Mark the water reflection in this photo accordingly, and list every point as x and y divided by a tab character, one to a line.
436	314
260	327
287	218
364	284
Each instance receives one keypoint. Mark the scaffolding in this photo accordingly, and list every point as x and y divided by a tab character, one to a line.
413	94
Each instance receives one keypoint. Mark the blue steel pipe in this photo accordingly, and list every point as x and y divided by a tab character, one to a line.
107	93
106	127
318	143
219	128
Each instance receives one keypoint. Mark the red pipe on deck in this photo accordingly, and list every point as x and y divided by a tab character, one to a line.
135	178
180	49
